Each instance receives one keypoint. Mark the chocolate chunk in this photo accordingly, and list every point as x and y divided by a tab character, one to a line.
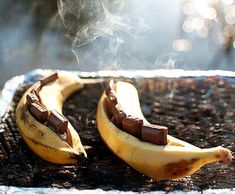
119	118
57	121
35	91
118	114
111	102
49	79
110	88
38	111
32	97
113	120
132	126
117	109
154	134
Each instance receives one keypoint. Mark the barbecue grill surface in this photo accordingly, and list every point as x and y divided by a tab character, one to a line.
199	111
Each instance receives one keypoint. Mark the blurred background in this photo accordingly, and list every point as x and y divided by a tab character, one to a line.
116	34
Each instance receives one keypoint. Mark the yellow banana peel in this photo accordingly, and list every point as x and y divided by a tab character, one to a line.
175	160
42	140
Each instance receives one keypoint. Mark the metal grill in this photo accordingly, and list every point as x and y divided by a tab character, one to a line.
199	111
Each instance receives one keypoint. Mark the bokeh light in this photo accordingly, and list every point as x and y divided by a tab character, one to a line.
181	45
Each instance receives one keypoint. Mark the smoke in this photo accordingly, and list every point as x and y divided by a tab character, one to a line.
105	34
172	60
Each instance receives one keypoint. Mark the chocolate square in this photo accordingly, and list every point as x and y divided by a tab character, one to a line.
38	111
132	126
111	102
36	90
117	109
57	121
119	118
113	120
118	114
32	97
49	79
154	134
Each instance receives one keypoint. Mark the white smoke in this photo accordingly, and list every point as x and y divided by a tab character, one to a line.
105	34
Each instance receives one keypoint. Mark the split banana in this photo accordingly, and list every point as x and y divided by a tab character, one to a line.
41	139
175	160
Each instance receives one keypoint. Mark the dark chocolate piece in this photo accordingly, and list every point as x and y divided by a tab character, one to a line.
49	79
119	118
38	111
110	88
113	120
154	134
118	114
57	121
117	109
111	102
132	126
32	97
36	90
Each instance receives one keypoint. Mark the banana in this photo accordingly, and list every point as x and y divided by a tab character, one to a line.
175	160
42	140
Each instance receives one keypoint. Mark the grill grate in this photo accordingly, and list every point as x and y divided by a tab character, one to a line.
199	111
